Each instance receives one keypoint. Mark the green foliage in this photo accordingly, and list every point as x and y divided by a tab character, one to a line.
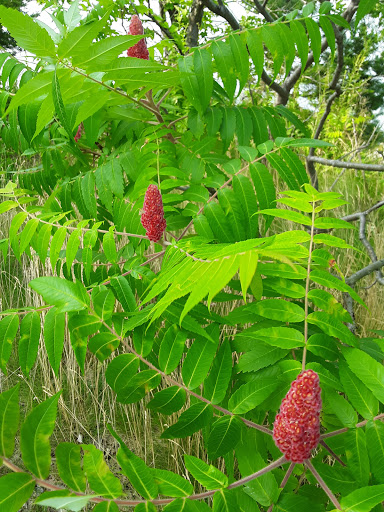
242	300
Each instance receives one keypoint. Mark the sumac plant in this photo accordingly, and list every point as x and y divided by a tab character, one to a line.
151	205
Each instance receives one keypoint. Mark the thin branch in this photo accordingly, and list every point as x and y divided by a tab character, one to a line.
294	76
343	430
165	31
194	22
329	449
307	282
223	12
323	485
263	11
377	265
284	481
52	487
346	165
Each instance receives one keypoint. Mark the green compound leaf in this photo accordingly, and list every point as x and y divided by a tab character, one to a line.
34	438
28	34
9	420
15	490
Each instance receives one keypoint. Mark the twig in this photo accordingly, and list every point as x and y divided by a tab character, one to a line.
307	282
345	429
323	485
47	485
346	165
284	481
329	449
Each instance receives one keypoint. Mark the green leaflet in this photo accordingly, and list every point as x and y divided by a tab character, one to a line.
216	384
209	476
123	293
120	371
54	327
224	501
357	455
29	341
8	329
171	349
65	295
106	506
99	476
15	490
34	438
139	474
68	460
171	484
224	436
358	394
168	401
193	419
364	499
369	371
263	489
252	393
63	500
198	361
9	420
109	180
374	433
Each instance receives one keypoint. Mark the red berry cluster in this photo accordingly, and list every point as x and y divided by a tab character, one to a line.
152	217
296	430
139	50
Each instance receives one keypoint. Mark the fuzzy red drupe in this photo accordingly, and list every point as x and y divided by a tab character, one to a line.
296	430
139	50
152	217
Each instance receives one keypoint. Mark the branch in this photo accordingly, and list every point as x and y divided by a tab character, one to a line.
291	80
52	487
262	10
323	485
345	429
372	267
165	31
346	165
195	19
337	92
222	11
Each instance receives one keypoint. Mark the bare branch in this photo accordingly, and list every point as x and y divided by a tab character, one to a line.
195	19
222	11
346	165
294	76
262	10
372	267
334	85
165	31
